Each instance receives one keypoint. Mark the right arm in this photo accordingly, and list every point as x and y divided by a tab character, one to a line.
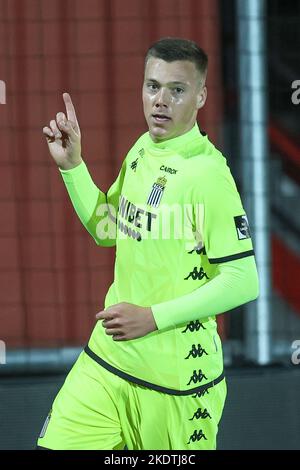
96	210
90	203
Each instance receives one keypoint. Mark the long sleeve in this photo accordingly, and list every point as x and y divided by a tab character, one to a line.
95	209
236	284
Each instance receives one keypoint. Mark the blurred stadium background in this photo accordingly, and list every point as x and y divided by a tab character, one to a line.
53	278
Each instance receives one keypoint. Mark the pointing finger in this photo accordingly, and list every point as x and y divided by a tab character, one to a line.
71	114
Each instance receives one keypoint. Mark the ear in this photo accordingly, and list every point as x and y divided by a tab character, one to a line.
201	99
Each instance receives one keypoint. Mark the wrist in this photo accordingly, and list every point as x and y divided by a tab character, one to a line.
70	165
75	174
151	318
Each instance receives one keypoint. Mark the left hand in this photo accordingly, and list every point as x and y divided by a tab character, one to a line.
126	321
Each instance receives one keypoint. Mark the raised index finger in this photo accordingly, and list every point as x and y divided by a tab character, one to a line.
70	108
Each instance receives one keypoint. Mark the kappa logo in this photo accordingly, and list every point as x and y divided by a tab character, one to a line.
193	326
201	393
197	436
196	352
199	414
156	192
197	377
197	275
242	227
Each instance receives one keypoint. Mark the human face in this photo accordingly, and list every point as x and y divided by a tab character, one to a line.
172	94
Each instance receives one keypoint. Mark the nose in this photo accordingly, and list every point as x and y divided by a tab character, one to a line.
162	98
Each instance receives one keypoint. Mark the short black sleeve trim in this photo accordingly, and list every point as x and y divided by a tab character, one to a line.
231	257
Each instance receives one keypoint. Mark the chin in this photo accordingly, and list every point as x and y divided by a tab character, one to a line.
159	133
160	137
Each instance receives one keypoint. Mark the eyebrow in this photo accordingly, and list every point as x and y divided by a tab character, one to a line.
176	82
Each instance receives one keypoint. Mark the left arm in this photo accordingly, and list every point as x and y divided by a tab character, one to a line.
236	284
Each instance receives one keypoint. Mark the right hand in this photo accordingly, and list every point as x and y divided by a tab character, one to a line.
64	138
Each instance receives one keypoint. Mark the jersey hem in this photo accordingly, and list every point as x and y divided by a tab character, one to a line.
144	383
231	257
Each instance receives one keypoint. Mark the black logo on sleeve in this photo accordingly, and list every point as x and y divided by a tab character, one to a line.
197	275
242	227
194	326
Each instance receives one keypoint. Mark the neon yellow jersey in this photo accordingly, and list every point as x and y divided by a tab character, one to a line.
178	214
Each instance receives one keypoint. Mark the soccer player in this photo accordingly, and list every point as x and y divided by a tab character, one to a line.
151	376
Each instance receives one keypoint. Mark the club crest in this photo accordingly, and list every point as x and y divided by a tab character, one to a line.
157	191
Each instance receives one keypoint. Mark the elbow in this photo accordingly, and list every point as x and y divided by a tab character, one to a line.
249	283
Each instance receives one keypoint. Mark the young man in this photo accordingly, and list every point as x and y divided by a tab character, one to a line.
151	376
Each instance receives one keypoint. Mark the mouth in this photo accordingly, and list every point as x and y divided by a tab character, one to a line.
161	118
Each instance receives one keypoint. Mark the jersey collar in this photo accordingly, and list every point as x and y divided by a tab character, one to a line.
187	144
